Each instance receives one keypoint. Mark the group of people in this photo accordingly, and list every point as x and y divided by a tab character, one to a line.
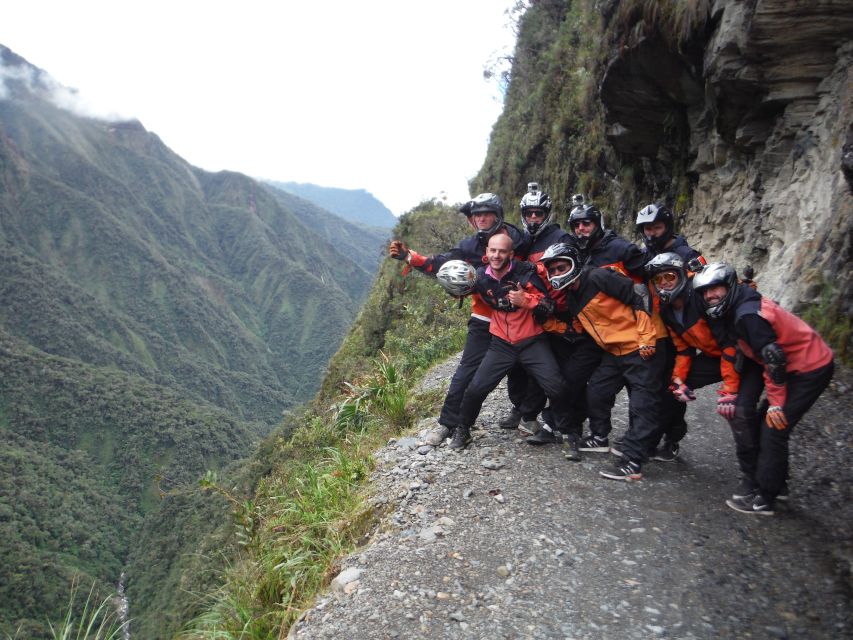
570	317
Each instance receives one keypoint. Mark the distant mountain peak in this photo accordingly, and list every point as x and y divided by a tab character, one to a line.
355	205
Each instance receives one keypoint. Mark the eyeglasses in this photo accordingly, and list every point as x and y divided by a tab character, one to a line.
582	223
530	213
667	277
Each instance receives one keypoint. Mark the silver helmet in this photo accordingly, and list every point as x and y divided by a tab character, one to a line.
536	199
563	251
457	277
716	273
666	263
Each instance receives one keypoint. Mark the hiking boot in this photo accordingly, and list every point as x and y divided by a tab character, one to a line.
461	438
624	470
595	443
545	435
437	435
754	504
571	450
512	420
530	427
668	452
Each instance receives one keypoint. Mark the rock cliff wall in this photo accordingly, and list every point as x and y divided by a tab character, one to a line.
756	108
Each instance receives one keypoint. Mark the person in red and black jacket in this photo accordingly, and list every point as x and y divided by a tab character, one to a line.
517	296
486	216
656	225
699	359
537	219
783	355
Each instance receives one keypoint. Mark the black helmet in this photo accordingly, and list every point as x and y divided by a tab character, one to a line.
666	262
586	212
487	202
716	273
457	277
536	199
563	251
656	213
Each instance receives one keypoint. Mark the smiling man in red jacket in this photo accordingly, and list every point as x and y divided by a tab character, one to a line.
518	297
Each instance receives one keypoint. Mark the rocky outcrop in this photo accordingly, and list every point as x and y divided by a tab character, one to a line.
756	110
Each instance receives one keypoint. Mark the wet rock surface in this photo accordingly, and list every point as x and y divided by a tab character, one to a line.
508	540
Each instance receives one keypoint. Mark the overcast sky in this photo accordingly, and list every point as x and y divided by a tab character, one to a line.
387	96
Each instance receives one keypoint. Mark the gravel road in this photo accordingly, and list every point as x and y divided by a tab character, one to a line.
508	540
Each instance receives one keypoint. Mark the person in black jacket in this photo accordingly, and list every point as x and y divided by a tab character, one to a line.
486	216
656	226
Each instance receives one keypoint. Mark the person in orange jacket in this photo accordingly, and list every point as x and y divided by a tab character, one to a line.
785	357
699	359
519	301
605	305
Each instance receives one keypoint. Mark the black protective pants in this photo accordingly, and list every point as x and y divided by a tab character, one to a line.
476	344
538	360
577	360
524	393
762	451
643	382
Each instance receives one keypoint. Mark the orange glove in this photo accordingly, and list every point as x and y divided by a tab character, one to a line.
398	250
776	418
647	351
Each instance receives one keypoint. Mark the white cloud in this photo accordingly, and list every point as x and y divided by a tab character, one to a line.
386	96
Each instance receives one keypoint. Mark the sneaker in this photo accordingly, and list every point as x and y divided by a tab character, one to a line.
668	452
783	493
571	450
746	489
437	435
545	435
617	448
624	470
754	504
461	438
594	443
512	420
530	427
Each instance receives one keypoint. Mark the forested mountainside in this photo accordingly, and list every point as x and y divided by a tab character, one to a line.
355	205
737	113
155	322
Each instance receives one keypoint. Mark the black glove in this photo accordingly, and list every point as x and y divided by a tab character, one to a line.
543	309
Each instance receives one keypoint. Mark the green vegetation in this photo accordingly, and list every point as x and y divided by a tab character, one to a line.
832	323
95	621
306	507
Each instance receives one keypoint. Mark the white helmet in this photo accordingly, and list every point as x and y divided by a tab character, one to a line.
457	277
